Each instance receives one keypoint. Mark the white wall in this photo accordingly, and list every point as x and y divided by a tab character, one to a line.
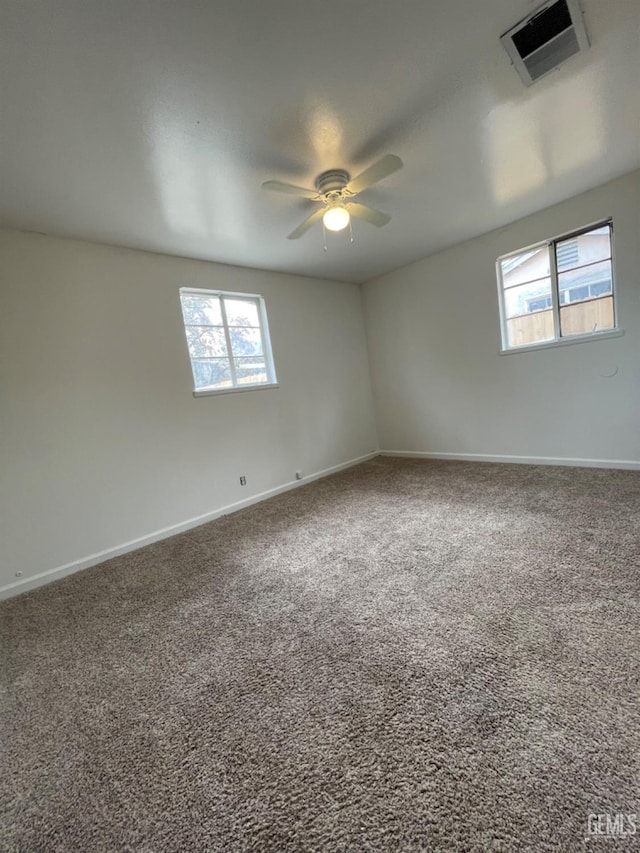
440	385
102	440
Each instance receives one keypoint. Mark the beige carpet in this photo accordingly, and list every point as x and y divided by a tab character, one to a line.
406	656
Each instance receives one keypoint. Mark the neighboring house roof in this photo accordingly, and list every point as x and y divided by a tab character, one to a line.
517	260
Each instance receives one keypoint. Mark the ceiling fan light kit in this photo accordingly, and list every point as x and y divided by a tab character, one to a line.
335	189
336	218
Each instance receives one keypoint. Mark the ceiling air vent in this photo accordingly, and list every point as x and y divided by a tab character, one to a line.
544	40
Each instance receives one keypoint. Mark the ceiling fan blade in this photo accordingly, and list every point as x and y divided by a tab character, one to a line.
374	217
280	187
304	226
385	166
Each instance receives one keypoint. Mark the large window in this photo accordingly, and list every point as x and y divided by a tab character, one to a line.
560	289
228	340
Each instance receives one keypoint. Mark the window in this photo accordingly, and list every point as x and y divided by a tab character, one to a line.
561	289
228	340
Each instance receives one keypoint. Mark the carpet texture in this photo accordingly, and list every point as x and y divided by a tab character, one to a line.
405	656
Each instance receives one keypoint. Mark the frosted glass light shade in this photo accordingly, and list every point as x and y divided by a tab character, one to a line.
336	218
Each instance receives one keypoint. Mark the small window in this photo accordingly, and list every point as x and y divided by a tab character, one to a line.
228	340
557	290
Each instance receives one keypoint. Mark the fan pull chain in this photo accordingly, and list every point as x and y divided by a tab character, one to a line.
350	231
324	234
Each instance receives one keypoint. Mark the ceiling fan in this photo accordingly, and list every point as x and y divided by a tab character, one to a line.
335	189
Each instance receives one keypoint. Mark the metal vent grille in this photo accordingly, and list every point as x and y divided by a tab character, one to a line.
546	39
567	254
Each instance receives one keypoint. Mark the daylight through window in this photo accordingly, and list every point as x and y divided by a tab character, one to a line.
228	340
557	290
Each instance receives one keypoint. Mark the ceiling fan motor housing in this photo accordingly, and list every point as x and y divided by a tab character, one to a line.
333	180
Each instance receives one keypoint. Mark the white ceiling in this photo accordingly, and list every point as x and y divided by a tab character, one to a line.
153	123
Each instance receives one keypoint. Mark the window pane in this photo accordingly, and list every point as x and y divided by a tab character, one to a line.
242	312
533	296
583	318
211	373
245	341
206	341
226	339
585	282
530	329
250	370
203	310
584	249
525	266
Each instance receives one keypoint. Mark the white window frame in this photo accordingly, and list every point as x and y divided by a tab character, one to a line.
558	340
265	338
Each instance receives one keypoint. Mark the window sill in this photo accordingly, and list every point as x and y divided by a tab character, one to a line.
565	342
239	390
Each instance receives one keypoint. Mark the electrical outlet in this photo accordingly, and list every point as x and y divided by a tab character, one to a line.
243	481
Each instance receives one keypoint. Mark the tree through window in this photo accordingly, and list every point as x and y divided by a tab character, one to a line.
228	340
